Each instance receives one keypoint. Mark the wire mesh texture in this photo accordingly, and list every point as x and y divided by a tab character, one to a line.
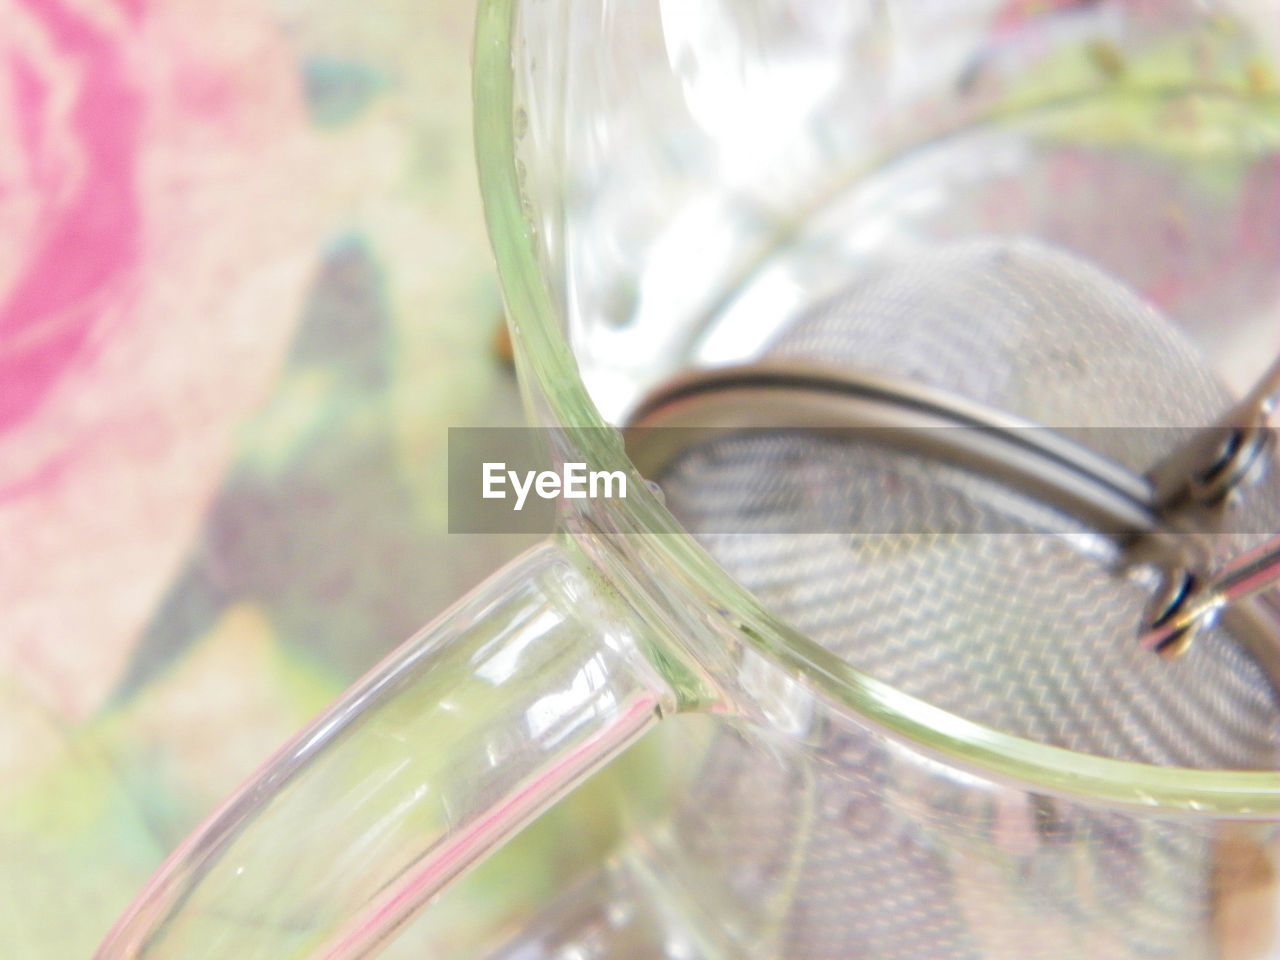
977	599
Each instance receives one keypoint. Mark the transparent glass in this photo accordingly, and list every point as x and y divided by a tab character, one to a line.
663	180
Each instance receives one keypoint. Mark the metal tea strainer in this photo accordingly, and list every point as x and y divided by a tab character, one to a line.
993	477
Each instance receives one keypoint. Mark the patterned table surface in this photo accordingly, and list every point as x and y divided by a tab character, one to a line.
244	290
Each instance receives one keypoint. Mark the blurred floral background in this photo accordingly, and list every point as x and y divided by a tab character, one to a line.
244	291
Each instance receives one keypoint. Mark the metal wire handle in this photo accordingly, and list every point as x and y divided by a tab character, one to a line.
1196	478
1195	605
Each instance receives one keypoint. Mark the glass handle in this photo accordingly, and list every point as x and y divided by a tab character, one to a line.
446	749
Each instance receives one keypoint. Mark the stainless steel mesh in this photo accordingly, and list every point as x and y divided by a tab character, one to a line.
1025	329
1027	631
1027	626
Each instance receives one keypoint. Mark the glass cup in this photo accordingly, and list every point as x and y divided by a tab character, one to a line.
663	181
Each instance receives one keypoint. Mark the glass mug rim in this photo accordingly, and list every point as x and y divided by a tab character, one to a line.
546	359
